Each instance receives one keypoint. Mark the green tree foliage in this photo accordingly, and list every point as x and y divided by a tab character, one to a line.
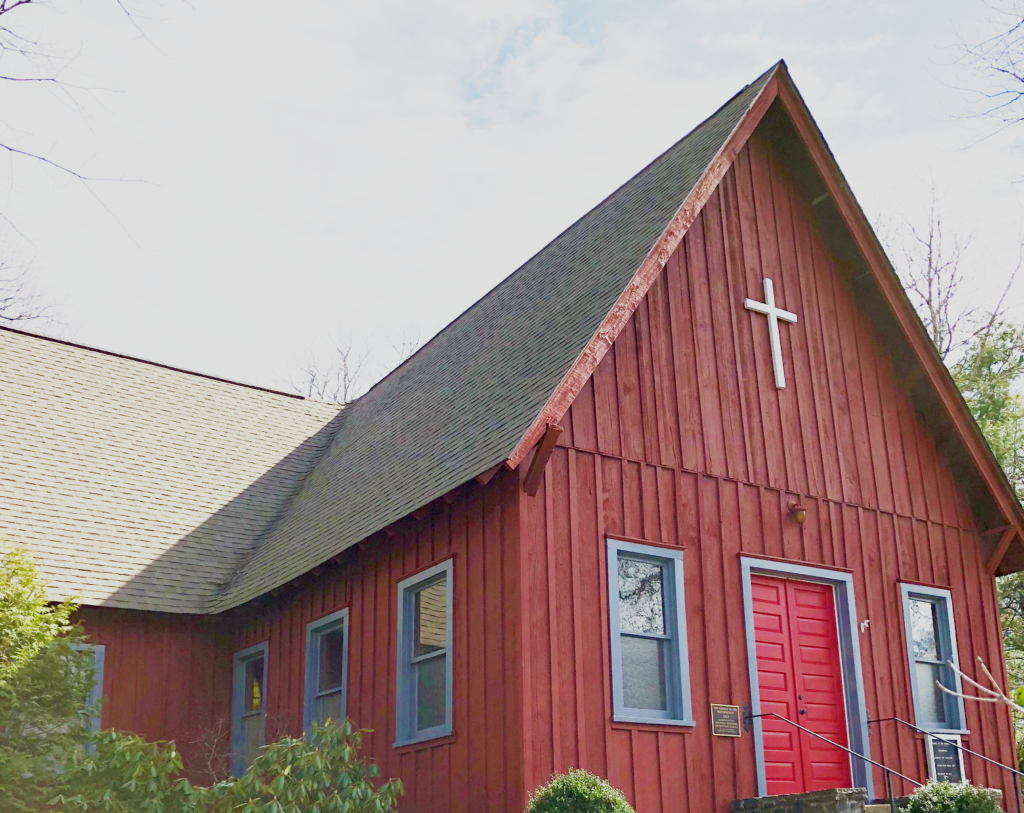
28	623
324	774
577	792
949	797
43	686
989	374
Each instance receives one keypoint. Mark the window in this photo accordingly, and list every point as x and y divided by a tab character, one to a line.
931	646
92	700
650	668
425	655
326	669
248	707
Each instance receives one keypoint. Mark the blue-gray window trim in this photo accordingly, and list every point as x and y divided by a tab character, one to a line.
405	690
677	683
314	631
96	692
954	705
237	691
849	652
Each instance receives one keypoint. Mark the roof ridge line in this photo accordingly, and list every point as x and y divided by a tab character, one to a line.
103	351
647	272
573	225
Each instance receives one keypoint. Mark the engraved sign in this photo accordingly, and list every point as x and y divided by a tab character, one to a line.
725	720
945	760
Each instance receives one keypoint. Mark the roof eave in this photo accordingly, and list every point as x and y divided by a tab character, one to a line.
895	295
780	86
627	303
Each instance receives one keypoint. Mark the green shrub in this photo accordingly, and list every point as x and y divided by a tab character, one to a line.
324	774
578	792
950	797
43	685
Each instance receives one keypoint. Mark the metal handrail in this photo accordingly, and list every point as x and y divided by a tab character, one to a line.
888	771
938	736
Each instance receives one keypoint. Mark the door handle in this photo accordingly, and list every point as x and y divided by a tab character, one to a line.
803	711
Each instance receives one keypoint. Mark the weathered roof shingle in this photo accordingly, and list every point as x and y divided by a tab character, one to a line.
136	485
461	404
140	486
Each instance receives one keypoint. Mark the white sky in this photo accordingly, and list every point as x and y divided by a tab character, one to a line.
369	169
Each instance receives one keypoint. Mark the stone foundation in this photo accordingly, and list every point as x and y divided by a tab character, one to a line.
840	800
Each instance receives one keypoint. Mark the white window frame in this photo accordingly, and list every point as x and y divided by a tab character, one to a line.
406	732
315	630
677	672
95	695
953	705
241	658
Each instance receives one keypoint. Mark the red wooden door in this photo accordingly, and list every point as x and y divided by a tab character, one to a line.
799	674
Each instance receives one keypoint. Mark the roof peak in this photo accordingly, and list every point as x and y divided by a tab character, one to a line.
506	279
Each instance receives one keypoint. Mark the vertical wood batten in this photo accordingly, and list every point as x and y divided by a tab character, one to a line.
843	439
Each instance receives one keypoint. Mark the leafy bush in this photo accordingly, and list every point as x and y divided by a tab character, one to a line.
578	792
950	797
43	685
126	774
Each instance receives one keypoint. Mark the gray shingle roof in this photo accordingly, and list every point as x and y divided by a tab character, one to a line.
461	404
136	485
140	486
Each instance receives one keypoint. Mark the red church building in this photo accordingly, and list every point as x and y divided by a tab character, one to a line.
688	500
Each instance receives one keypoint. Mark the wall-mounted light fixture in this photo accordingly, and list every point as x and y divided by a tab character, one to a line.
797	512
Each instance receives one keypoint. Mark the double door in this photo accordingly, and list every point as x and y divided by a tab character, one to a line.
799	673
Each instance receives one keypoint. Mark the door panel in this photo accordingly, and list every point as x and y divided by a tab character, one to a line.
799	674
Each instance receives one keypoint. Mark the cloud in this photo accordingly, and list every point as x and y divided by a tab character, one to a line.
375	167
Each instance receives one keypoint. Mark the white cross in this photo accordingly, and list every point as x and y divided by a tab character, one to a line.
774	315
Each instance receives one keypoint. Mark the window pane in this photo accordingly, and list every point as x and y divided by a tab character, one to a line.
924	628
933	709
252	738
332	660
329	708
431	696
431	608
641	599
253	697
643	673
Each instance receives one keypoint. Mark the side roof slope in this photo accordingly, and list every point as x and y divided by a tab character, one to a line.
137	485
465	400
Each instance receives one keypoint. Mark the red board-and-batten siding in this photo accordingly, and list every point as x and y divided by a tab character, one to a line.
165	677
480	767
681	438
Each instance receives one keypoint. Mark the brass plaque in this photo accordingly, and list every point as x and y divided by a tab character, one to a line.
725	720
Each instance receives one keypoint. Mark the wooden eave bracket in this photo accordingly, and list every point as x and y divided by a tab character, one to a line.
485	477
540	459
999	553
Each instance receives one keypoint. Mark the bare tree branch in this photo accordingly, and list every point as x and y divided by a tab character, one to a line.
338	379
41	63
996	696
931	261
19	304
347	371
995	65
